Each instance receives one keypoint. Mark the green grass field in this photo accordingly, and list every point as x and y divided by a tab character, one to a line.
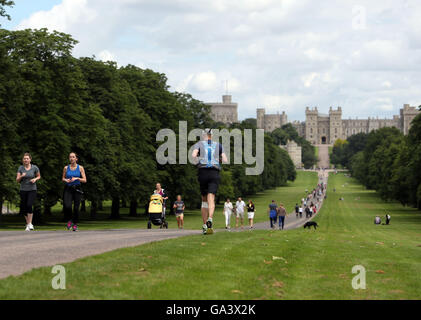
294	264
289	195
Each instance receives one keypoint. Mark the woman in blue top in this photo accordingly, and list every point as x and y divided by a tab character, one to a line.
73	177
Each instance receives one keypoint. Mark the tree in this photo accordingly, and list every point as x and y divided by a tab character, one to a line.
5	3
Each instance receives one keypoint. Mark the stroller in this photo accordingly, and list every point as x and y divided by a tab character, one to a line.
156	211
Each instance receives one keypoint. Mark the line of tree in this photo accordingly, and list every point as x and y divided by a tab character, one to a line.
52	103
287	132
387	161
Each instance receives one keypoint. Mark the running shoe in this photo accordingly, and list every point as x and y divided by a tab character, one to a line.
205	229
27	228
209	223
75	227
31	226
69	225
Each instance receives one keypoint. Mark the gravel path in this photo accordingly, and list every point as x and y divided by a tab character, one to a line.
23	251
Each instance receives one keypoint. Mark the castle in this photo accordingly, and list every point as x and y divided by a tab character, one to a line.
225	112
320	128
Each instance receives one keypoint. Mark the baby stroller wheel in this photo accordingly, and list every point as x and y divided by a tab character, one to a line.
149	225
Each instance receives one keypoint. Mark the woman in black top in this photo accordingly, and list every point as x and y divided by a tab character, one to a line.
250	213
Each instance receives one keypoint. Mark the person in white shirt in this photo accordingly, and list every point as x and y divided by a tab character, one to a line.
239	206
300	211
227	213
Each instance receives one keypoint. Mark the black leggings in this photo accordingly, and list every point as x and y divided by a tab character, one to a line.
27	199
71	195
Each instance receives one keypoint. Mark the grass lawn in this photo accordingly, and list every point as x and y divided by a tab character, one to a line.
316	152
295	264
289	195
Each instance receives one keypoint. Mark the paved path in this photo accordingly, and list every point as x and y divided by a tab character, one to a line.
324	161
23	251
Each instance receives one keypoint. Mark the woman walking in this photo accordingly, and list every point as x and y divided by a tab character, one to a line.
27	175
73	177
282	212
250	213
227	213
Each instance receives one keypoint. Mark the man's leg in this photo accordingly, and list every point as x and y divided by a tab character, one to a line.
211	204
205	210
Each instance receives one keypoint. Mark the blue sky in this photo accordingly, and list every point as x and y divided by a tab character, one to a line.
277	54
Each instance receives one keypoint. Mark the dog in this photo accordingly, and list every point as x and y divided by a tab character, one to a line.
309	224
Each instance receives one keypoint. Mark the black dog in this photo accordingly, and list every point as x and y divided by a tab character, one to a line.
309	224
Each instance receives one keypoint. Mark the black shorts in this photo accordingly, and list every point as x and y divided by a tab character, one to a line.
209	181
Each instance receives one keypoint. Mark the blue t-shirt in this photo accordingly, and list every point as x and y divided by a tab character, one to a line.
273	210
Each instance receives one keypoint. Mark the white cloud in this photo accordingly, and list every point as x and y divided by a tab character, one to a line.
282	54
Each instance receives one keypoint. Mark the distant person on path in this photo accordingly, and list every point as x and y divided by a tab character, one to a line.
273	213
282	212
377	220
387	219
307	210
239	209
73	176
208	154
300	211
179	212
297	210
228	207
28	174
250	213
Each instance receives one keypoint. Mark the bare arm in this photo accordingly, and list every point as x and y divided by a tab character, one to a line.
224	158
82	173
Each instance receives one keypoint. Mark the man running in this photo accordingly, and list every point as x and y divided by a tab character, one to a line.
208	155
239	206
297	209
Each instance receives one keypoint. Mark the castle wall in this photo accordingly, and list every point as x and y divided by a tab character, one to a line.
320	128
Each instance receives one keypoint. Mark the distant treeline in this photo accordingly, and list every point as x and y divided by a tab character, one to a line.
52	103
385	160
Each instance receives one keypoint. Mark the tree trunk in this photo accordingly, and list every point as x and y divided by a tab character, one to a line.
83	206
94	209
133	208
47	209
100	206
115	209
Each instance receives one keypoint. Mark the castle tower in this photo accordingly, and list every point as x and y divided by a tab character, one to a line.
407	114
284	118
311	126
225	112
335	124
260	118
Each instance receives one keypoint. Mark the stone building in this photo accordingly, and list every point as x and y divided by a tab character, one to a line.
270	122
225	112
294	152
320	128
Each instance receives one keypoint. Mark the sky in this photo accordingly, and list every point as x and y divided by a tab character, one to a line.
282	55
